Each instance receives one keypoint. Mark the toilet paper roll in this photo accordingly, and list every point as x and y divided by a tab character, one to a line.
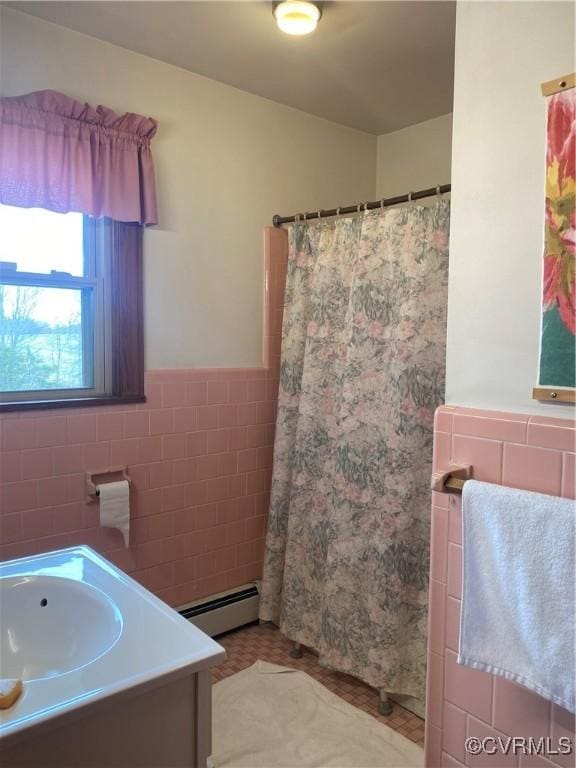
115	507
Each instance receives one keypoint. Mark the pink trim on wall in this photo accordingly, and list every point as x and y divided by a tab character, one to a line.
530	452
199	453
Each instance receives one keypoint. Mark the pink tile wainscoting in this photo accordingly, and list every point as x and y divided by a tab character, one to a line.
528	452
199	455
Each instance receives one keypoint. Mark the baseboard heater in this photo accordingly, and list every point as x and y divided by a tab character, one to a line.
225	611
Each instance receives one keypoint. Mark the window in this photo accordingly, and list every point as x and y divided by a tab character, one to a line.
70	309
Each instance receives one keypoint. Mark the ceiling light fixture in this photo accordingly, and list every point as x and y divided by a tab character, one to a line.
297	17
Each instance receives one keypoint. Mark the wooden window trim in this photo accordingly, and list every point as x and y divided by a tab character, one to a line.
127	331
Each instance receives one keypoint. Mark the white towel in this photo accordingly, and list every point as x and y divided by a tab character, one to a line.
517	618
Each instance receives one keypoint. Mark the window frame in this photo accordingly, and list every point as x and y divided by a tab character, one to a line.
113	259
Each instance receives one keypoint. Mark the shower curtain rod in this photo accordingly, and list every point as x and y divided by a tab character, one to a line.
384	203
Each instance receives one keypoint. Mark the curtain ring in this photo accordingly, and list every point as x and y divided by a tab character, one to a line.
358	207
365	207
438	190
382	205
338	211
409	197
319	213
304	216
297	218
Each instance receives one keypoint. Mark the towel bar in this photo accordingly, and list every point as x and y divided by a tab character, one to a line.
452	479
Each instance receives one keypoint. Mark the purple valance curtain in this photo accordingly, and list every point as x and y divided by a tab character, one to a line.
59	154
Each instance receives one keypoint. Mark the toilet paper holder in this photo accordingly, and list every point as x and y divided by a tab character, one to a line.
110	475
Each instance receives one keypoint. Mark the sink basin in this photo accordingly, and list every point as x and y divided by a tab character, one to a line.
78	631
52	625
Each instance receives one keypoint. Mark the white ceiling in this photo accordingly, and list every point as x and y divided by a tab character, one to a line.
375	66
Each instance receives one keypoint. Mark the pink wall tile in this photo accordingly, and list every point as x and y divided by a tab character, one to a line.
443	419
247	460
563	725
19	496
184	419
246	414
436	616
196	393
11	467
81	429
497	760
174	446
547	435
227	415
536	761
10	528
256	391
454	730
149	449
440	499
109	426
153	391
454	578
136	424
196	443
217	392
455	519
36	525
51	431
161	474
509	427
433	740
53	491
207	466
237	391
68	459
485	456
96	456
173	498
518	711
36	463
185	470
174	393
18	434
452	623
207	416
520	451
568	475
124	452
447	761
532	468
69	517
435	689
217	441
161	422
467	688
439	544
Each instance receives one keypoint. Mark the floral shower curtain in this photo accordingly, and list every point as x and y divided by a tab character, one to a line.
363	361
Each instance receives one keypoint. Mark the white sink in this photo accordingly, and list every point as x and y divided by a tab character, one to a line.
51	625
78	630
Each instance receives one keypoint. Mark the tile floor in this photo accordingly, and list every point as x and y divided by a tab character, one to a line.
247	645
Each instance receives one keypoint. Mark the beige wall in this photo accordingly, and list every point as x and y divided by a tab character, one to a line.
417	157
226	161
503	52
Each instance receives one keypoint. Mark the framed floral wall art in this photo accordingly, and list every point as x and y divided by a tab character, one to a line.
557	368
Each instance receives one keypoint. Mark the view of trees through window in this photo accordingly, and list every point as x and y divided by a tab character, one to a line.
37	353
41	334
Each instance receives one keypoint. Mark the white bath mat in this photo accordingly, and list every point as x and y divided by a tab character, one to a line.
274	717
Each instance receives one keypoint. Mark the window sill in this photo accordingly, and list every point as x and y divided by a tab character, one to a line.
72	402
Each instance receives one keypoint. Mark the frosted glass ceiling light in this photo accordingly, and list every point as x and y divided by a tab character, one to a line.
297	17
